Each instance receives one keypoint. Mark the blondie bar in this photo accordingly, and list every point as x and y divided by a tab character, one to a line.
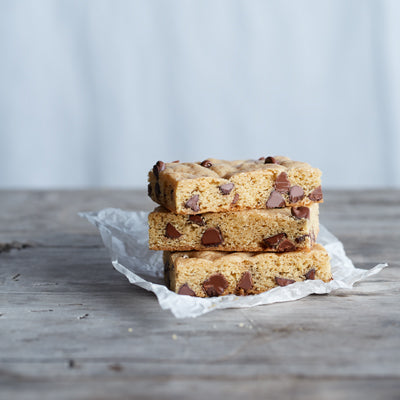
215	273
217	185
277	230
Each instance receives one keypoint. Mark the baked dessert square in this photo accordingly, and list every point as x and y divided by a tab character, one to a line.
276	230
217	185
216	273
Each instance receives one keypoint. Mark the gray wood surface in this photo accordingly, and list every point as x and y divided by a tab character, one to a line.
72	327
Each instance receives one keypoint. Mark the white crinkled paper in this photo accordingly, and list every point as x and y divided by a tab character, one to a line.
125	235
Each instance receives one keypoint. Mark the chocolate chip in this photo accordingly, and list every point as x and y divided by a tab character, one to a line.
149	189
278	242
273	241
193	203
301	239
282	183
196	219
158	167
275	200
283	281
316	194
206	164
185	289
310	274
286	245
215	285
211	237
157	189
235	199
176	161
226	188
246	281
296	193
261	159
271	160
300	212
171	232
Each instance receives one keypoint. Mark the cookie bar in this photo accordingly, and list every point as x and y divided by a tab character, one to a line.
216	273
279	230
217	185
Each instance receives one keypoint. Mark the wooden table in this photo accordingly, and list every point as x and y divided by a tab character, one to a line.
73	327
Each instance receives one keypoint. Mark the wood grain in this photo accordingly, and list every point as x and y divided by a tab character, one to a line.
72	327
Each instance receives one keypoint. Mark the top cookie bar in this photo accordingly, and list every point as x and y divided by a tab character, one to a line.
218	185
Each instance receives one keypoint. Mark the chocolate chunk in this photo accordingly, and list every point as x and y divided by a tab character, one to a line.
193	203
211	237
226	188
215	285
271	160
206	164
197	219
316	194
273	241
296	193
158	167
300	212
282	183
310	274
157	190
301	239
235	199
246	281
275	200
185	289
176	161
149	190
283	281
286	245
261	159
171	232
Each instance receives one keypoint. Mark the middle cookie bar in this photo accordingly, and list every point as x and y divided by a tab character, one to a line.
272	230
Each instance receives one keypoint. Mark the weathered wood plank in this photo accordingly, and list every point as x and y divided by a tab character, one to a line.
334	333
176	387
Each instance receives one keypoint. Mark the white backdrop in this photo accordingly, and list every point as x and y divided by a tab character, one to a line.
92	93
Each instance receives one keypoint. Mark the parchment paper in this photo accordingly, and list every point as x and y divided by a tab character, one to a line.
125	235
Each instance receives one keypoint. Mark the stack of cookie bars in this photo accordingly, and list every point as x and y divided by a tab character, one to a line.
237	227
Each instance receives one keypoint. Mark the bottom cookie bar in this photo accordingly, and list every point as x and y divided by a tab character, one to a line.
215	273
